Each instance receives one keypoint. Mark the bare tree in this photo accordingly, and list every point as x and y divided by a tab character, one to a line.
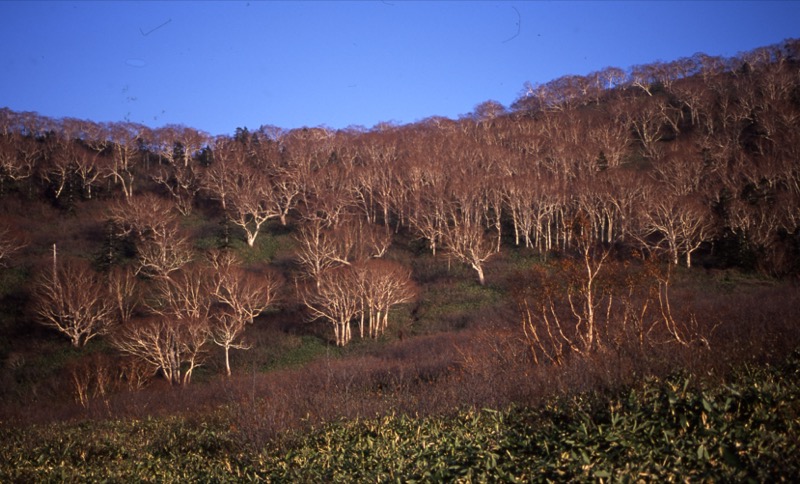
335	298
647	117
376	187
465	238
19	157
182	182
383	285
125	140
163	253
151	224
330	193
321	247
318	250
228	157
644	76
426	215
570	310
488	110
143	217
287	174
86	170
251	202
57	168
178	330
679	224
124	293
136	372
178	146
241	296
156	341
587	301
9	245
73	299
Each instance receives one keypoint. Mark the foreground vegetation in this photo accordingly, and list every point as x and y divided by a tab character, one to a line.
334	306
677	428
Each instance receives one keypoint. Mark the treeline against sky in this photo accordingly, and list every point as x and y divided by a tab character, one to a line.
698	153
691	161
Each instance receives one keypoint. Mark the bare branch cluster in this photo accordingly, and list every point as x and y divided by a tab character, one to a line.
72	299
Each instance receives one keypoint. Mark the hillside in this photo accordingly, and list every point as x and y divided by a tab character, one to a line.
604	230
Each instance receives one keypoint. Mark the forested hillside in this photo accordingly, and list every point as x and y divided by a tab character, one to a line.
604	228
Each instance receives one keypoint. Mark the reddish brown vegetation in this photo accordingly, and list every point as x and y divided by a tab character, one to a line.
564	207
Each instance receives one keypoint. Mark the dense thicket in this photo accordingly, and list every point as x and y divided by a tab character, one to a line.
152	241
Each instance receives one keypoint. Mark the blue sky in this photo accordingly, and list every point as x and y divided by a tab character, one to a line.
218	66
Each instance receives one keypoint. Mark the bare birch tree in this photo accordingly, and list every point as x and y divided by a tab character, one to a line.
72	299
336	299
383	285
176	332
240	297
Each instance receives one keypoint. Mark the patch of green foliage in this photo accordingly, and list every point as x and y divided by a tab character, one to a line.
264	248
665	430
444	307
296	351
661	432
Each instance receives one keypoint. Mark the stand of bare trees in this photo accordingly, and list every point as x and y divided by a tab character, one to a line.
694	160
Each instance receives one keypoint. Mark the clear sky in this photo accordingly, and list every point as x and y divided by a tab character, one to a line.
216	66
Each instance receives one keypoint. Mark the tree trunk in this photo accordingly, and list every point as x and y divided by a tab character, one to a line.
227	361
479	269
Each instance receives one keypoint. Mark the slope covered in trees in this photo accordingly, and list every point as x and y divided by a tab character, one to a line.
604	227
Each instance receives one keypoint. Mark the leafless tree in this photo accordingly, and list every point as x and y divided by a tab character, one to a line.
57	168
317	251
287	173
176	332
251	202
9	245
488	110
151	223
426	215
182	182
383	284
240	296
335	298
465	238
330	194
570	310
178	146
156	341
86	170
143	217
163	253
20	162
72	298
679	224
124	292
125	141
229	155
648	118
